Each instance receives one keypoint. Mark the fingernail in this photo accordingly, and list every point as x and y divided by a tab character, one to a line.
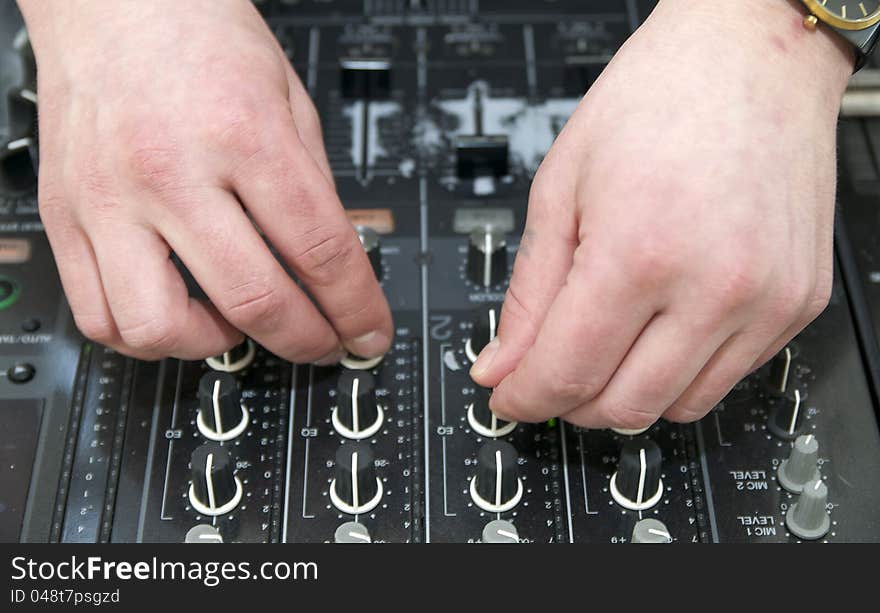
484	360
370	345
331	358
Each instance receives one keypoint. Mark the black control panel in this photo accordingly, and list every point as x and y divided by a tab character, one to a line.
436	114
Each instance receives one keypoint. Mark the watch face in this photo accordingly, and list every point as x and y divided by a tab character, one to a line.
846	14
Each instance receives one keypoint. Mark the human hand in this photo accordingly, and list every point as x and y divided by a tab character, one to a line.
169	125
679	231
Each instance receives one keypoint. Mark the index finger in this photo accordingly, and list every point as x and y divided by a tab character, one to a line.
297	208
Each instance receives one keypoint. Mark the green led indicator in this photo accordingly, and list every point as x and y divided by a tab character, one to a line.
9	292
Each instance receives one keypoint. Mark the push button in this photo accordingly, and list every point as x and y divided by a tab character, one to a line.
21	372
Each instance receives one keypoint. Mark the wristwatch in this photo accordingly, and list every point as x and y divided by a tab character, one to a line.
857	21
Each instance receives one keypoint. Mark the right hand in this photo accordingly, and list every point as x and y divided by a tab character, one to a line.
176	126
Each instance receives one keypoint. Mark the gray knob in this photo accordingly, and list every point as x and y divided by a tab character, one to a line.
352	532
807	518
203	533
487	258
800	468
500	531
650	530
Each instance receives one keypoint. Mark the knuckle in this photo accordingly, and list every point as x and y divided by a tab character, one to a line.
740	279
251	304
149	158
656	260
151	334
792	301
514	307
630	418
96	328
685	415
153	166
568	390
322	254
819	300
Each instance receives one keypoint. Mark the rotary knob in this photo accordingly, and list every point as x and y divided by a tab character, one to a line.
650	530
352	532
496	487
357	414
487	257
370	242
780	372
215	489
808	517
236	359
637	484
801	466
500	531
221	416
356	488
483	420
787	417
483	330
203	534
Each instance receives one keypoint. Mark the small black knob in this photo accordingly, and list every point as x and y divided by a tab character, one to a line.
356	489
370	241
221	416
487	257
497	487
484	328
215	489
483	420
637	484
358	414
234	360
786	418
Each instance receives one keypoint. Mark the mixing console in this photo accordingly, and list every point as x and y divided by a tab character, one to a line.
436	115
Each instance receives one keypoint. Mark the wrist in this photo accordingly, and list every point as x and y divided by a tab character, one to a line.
761	41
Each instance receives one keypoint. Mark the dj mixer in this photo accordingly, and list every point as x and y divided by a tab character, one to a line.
436	115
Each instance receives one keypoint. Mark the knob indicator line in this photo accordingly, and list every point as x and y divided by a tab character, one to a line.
794	414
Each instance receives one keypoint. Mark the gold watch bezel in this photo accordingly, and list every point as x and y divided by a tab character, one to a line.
826	16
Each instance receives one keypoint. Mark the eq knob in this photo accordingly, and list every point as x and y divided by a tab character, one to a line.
487	257
483	420
808	517
496	487
650	530
780	373
370	242
352	532
801	467
215	489
483	329
500	531
236	359
221	415
787	416
357	414
356	488
637	484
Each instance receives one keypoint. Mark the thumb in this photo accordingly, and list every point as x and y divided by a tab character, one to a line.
542	263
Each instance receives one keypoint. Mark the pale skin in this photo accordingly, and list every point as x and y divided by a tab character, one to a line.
679	231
